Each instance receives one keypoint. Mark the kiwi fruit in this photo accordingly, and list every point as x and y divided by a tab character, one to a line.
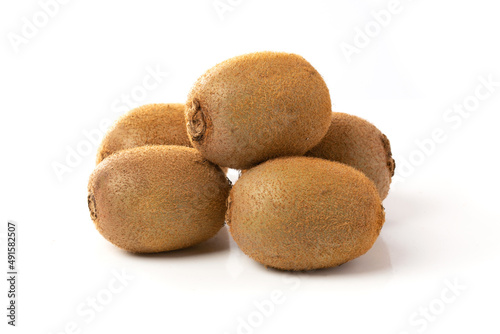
256	107
157	198
303	213
358	143
152	124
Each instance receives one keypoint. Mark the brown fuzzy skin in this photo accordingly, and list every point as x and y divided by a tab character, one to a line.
152	124
303	213
157	198
258	106
358	143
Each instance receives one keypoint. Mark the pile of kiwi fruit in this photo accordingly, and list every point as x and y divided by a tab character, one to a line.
312	183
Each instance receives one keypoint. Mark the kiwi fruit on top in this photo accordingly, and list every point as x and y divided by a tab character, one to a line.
359	144
303	213
157	198
152	124
257	106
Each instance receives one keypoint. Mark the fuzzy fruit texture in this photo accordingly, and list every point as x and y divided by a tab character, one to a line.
157	198
258	106
152	124
358	143
303	213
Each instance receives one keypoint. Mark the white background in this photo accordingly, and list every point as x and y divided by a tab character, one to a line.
442	223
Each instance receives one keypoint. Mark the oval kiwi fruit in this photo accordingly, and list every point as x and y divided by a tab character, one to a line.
303	213
157	198
257	106
358	143
152	124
